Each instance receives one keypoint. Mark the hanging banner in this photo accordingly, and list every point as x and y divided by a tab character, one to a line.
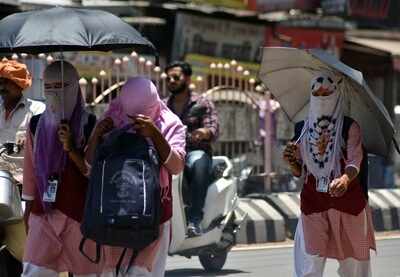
233	4
10	2
373	9
279	5
376	9
306	38
201	64
262	5
334	6
217	38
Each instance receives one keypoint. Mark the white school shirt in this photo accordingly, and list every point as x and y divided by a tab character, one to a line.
15	126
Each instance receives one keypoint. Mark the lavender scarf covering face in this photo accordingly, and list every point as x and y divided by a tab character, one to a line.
61	103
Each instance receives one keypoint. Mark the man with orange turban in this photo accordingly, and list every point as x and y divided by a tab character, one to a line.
16	111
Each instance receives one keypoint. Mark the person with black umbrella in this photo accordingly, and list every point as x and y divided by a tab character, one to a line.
55	180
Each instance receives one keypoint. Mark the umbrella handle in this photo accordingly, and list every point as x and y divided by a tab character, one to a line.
303	131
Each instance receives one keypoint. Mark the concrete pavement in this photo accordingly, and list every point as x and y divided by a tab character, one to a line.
278	261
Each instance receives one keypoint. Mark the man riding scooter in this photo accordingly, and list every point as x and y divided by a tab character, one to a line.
200	117
15	113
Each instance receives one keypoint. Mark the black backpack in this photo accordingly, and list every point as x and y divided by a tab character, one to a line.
363	174
123	203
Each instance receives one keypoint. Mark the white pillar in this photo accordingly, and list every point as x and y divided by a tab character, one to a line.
164	84
149	67
267	143
135	59
157	71
233	72
220	67
103	74
83	84
94	87
118	63
125	67
213	66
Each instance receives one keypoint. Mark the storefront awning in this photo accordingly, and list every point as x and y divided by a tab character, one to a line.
31	4
9	2
390	46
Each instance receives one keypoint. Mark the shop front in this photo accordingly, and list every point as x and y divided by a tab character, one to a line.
377	57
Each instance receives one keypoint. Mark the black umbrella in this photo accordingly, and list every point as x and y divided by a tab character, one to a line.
68	29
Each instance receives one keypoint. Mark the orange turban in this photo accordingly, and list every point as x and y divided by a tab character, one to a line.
16	72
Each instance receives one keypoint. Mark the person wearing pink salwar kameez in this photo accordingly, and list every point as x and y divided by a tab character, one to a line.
139	105
54	230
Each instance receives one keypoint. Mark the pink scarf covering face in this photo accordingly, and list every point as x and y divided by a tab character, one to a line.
140	96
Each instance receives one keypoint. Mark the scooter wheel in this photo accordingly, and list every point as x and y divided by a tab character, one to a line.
213	262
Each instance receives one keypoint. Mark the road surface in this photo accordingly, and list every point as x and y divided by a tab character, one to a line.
278	262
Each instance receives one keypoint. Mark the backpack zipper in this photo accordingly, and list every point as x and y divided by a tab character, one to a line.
144	189
102	186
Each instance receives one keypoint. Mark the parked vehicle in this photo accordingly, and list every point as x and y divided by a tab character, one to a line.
12	228
219	222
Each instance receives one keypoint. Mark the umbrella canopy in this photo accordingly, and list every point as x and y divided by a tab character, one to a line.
68	29
287	72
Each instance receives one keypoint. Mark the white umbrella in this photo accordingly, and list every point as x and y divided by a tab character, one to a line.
287	73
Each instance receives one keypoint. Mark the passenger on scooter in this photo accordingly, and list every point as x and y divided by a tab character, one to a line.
200	116
15	112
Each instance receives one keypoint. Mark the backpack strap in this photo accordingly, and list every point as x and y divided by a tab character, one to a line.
396	145
96	260
347	122
134	255
34	123
298	128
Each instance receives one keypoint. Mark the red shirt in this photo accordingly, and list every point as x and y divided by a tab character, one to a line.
312	201
71	194
199	112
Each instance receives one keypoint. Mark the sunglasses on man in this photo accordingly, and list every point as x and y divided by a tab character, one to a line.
176	78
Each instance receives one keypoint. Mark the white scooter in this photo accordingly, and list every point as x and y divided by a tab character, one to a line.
219	223
12	228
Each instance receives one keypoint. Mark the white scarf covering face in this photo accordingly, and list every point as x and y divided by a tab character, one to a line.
324	122
60	100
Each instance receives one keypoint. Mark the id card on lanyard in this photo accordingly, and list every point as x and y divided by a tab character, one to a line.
51	193
322	184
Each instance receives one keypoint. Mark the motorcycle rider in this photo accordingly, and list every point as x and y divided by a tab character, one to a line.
16	111
200	117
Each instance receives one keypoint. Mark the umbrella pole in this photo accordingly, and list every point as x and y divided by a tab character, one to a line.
267	143
62	87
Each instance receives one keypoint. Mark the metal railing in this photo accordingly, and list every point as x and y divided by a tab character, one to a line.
224	83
